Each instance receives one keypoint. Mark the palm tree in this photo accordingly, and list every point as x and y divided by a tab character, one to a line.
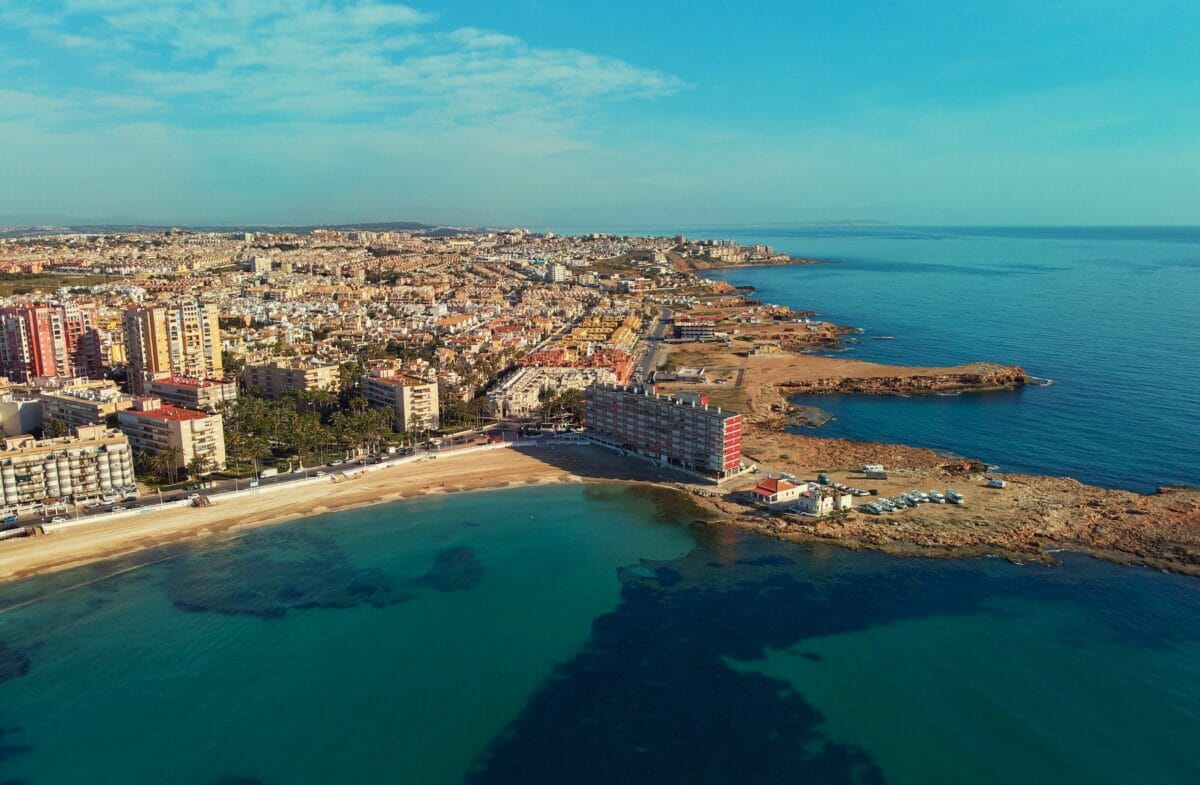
171	456
198	466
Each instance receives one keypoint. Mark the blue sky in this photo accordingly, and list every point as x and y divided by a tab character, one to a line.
600	113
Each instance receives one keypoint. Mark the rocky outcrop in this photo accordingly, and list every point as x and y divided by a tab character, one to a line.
990	377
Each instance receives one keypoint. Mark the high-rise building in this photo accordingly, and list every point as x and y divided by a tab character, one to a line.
179	340
414	401
46	340
686	433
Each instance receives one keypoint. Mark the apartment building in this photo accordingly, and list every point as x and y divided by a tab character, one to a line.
20	411
520	394
695	331
83	404
279	377
40	340
179	340
153	426
205	395
690	434
96	461
414	401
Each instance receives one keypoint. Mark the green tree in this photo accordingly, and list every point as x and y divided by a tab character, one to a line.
199	466
171	456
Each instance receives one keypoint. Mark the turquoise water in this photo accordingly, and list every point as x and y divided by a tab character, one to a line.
591	635
1109	314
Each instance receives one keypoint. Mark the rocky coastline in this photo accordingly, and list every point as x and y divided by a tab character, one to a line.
988	378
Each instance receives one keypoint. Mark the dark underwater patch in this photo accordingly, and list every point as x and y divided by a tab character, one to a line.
652	698
14	663
10	745
278	575
236	779
456	569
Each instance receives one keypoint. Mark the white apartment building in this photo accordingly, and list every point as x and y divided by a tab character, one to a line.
96	461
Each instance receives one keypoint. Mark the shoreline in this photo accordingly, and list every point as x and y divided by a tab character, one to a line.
510	468
994	531
90	543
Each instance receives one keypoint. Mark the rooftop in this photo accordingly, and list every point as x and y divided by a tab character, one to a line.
189	381
167	412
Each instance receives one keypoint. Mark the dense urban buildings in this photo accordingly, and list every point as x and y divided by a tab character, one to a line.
445	329
690	434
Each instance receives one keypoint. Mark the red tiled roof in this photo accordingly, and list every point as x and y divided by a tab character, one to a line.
772	486
188	381
167	412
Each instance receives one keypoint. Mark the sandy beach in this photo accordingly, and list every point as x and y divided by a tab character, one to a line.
505	468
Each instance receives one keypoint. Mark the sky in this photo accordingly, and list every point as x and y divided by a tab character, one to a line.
595	114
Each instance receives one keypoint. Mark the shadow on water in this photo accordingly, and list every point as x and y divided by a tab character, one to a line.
652	697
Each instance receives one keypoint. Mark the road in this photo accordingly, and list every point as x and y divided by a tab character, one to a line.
650	347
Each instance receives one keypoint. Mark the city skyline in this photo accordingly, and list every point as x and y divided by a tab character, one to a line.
124	111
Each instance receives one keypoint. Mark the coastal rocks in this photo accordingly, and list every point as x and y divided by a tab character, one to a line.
988	377
456	569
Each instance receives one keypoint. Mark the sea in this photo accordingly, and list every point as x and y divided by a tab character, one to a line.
1108	315
601	634
590	634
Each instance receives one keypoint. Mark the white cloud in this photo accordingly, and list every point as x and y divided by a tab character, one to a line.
227	60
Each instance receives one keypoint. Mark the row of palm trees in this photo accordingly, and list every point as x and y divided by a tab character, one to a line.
165	464
302	427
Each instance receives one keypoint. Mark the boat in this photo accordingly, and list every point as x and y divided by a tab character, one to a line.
884	337
936	497
954	497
